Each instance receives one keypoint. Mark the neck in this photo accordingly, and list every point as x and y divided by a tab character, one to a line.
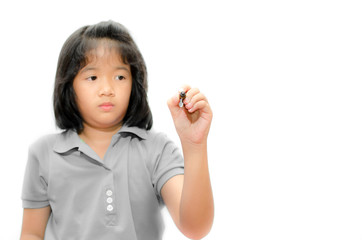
92	134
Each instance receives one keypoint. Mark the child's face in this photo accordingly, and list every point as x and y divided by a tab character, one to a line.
103	88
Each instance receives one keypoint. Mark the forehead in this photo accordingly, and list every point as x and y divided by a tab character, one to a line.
103	49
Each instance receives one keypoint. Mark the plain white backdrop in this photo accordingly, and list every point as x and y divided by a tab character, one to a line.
282	77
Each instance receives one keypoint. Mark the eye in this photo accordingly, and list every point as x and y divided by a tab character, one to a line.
120	77
92	78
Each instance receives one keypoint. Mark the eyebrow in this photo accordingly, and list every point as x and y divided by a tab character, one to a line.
87	69
95	68
122	68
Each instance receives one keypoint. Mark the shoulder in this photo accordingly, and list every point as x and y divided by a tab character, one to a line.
157	139
161	144
153	135
148	137
45	143
150	142
40	152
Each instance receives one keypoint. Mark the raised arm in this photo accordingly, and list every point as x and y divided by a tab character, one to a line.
34	223
189	197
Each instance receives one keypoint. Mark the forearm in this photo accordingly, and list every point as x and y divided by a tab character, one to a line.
197	205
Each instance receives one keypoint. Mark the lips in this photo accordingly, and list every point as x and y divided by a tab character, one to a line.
107	106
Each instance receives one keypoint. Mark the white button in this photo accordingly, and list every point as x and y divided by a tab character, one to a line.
109	200
109	193
109	208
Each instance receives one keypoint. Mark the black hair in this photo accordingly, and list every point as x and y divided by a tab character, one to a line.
73	57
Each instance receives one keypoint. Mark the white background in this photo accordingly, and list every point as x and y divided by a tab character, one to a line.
283	79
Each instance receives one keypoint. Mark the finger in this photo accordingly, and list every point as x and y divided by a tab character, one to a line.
172	105
196	98
174	100
202	106
190	93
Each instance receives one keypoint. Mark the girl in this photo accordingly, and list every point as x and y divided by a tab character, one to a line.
108	174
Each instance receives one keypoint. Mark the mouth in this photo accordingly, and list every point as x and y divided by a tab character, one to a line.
107	106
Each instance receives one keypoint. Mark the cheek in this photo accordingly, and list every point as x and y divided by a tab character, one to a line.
78	98
125	92
81	106
82	92
83	100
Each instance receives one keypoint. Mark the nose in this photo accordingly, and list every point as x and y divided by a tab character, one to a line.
106	88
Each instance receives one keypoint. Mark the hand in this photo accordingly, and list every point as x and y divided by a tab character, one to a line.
193	120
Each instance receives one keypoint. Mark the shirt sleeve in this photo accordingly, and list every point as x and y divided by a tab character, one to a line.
169	163
34	193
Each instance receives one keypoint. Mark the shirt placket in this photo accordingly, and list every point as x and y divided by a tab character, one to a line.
108	193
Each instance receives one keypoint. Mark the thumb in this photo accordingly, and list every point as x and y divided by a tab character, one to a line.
172	104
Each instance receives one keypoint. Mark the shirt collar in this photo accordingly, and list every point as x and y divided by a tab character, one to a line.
66	141
69	139
139	132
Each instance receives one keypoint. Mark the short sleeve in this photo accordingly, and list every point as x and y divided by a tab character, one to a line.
169	163
34	193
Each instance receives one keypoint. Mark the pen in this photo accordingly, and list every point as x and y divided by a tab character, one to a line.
182	97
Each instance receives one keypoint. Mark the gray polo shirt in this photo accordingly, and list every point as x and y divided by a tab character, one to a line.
111	199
